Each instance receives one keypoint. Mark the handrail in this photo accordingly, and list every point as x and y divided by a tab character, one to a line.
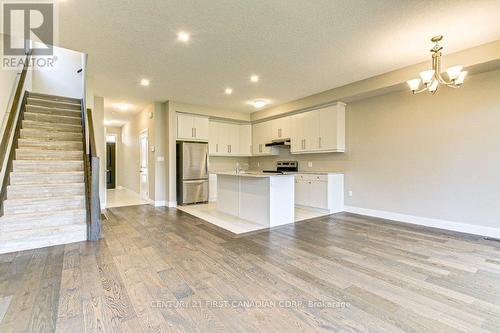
93	150
4	143
9	137
91	165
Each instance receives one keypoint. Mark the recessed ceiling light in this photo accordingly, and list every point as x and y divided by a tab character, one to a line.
145	82
228	91
259	103
122	106
183	36
254	78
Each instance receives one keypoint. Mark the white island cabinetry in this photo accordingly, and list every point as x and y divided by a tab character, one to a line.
267	200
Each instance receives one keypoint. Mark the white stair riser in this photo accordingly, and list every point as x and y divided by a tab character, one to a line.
49	178
45	126
33	133
52	119
21	207
52	111
50	145
32	239
47	166
22	154
38	191
46	221
53	104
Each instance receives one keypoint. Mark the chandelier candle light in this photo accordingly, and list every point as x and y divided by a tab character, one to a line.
432	78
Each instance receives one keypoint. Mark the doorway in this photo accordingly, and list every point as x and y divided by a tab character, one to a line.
110	162
144	179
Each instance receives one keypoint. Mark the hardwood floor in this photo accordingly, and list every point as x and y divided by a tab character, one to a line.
161	270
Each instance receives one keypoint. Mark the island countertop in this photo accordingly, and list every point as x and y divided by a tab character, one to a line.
252	174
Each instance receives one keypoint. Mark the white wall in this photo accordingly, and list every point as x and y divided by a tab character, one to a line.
62	79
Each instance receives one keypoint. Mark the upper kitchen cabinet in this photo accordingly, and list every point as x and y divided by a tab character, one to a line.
319	131
245	140
192	127
229	139
262	134
281	128
332	128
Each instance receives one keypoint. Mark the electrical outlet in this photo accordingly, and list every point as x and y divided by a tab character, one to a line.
258	164
350	193
310	164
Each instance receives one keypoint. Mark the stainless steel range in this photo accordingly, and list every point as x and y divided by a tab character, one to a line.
285	166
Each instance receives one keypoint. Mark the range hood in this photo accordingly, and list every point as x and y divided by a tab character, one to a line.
279	143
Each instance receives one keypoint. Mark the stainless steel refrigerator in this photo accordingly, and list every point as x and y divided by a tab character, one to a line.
192	172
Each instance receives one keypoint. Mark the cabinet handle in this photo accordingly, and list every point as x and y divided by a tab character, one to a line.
320	142
195	132
192	132
279	132
216	147
230	148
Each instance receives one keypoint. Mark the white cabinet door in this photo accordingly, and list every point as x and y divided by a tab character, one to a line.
200	128
245	143
185	126
301	192
297	133
318	194
234	139
213	138
332	128
280	128
311	131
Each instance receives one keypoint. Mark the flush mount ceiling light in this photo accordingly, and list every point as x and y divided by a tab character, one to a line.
183	36
228	91
254	78
145	82
432	78
122	106
259	103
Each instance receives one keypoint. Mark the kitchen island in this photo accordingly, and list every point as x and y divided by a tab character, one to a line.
265	199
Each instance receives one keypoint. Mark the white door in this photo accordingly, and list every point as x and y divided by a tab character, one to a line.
143	151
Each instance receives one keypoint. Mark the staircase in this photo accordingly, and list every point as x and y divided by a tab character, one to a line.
45	203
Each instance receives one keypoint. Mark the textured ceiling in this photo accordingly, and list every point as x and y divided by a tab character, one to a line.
297	47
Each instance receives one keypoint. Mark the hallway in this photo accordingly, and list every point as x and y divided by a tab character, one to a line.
122	197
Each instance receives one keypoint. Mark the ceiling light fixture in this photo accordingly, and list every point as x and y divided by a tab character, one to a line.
145	82
254	78
432	78
183	36
228	91
122	106
259	103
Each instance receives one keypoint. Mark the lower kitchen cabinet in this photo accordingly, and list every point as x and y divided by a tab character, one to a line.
322	191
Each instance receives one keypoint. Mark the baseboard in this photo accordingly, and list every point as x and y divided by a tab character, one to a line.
172	204
160	203
428	222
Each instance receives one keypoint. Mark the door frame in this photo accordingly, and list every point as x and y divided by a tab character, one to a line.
116	157
145	133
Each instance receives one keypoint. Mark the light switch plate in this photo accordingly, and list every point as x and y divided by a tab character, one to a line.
161	158
310	164
350	193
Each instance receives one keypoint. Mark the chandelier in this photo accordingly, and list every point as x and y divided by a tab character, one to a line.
432	79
